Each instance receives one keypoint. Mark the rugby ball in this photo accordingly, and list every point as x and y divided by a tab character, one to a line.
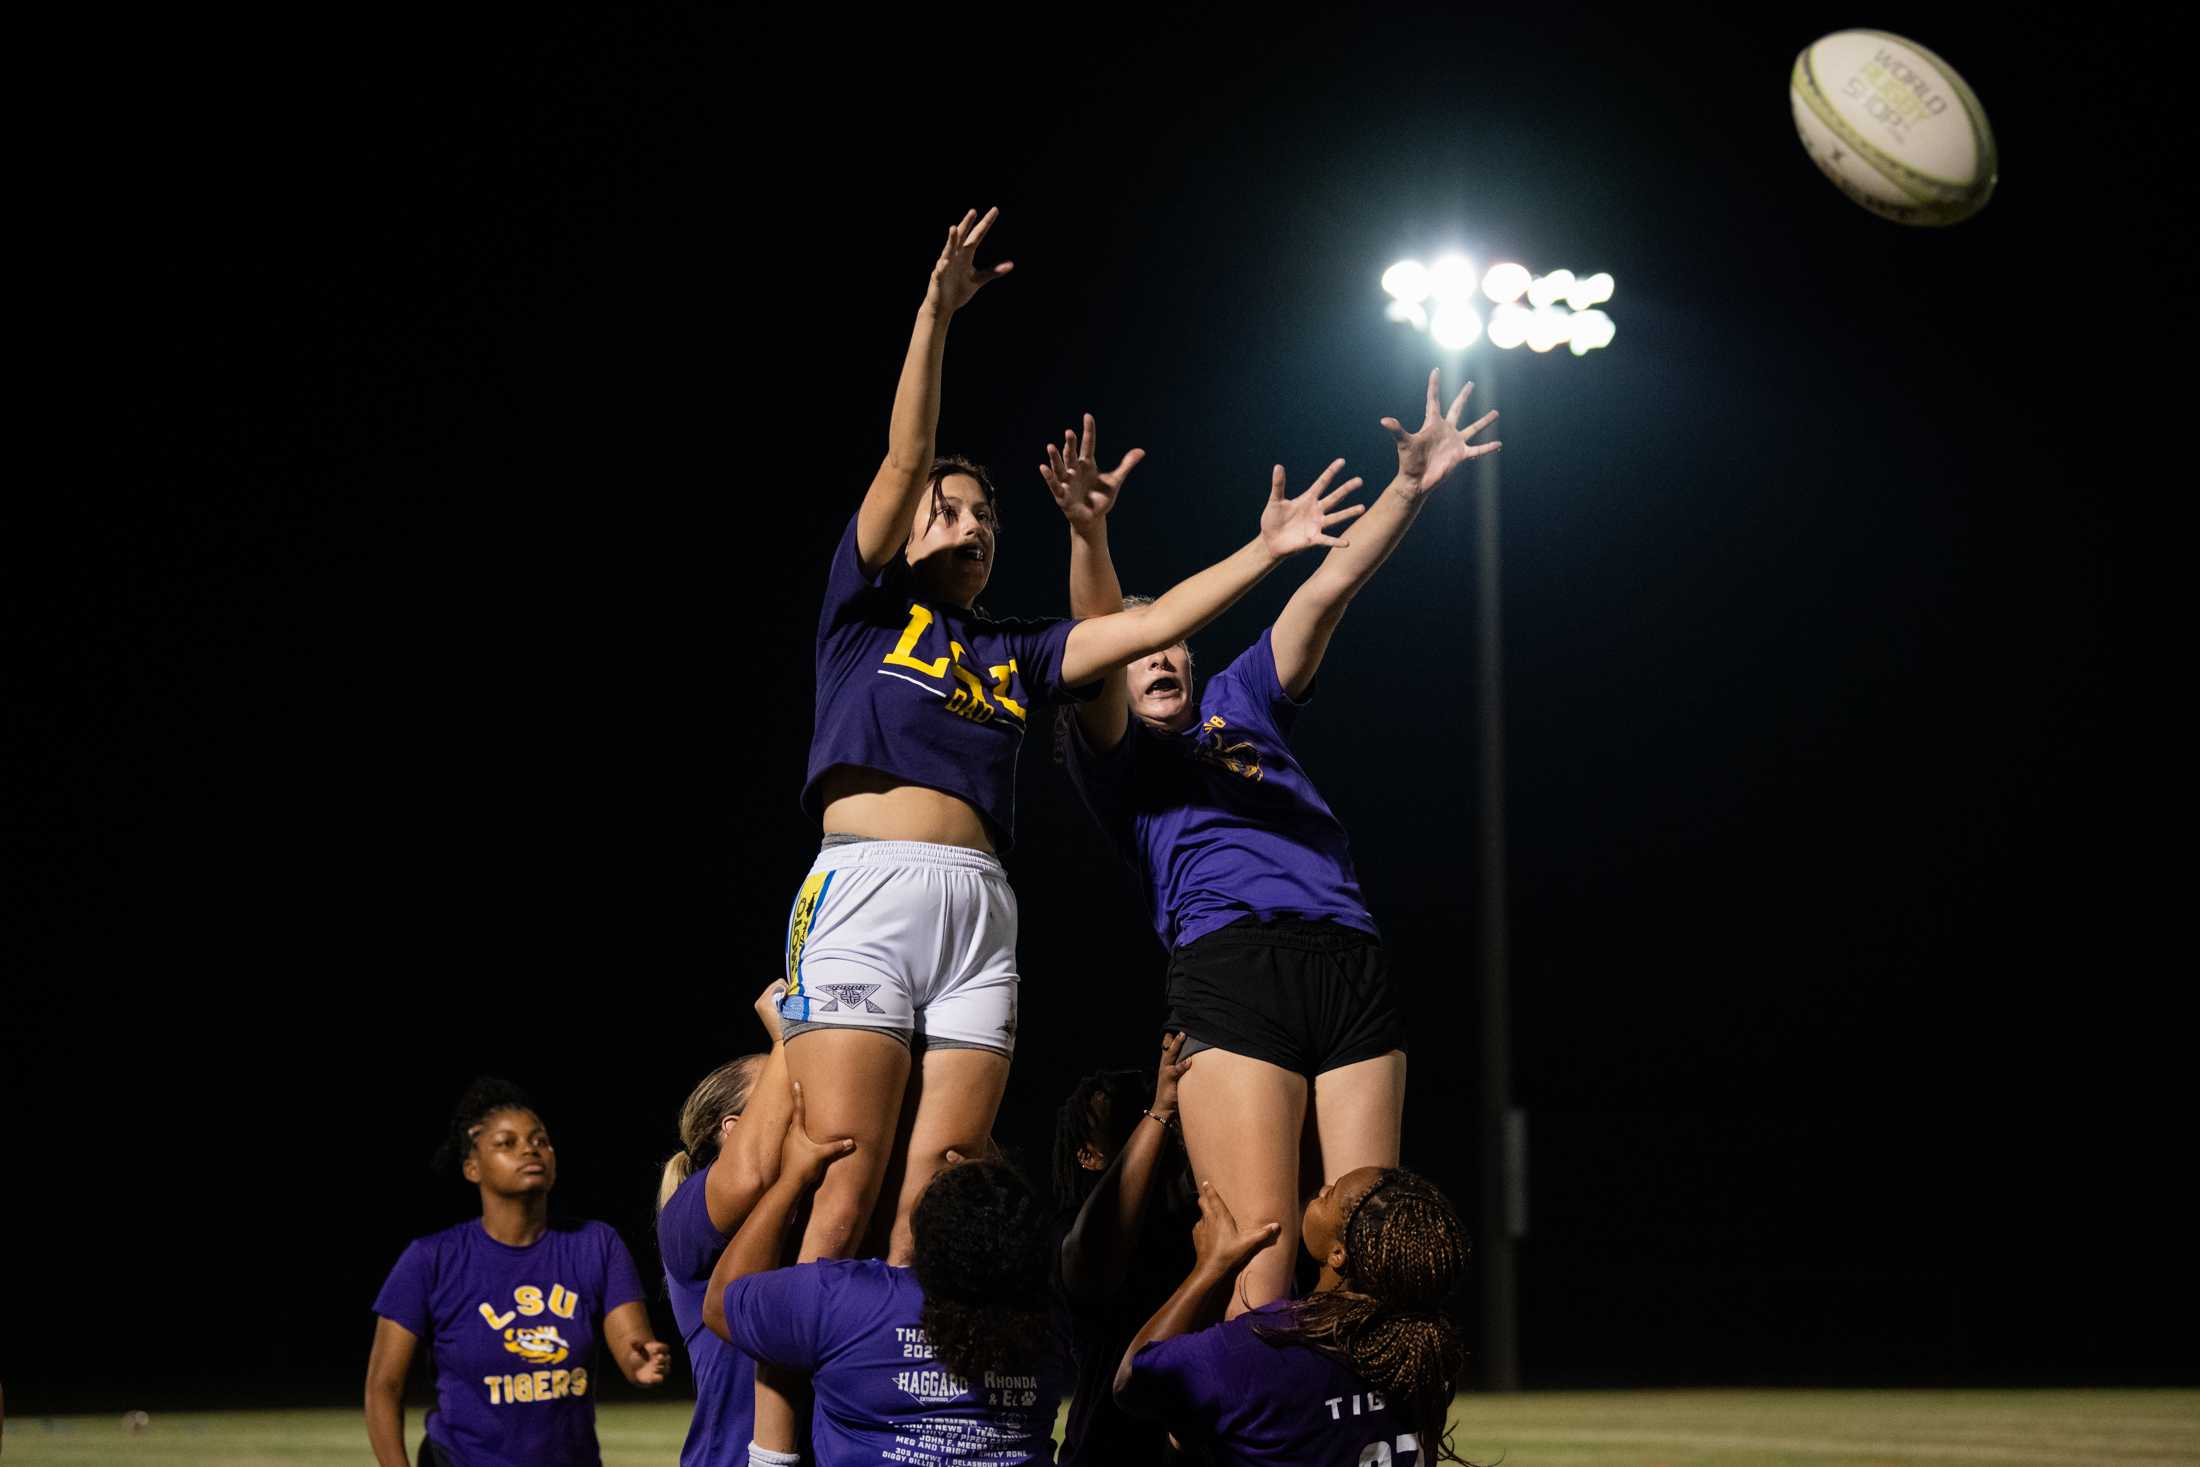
1893	126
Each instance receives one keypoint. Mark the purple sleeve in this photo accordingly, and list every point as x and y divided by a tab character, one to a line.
778	1317
1254	673
1184	1381
845	583
1103	781
404	1296
1039	647
622	1283
686	1241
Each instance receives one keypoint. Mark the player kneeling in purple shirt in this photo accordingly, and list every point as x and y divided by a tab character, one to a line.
959	1357
730	1133
511	1304
1361	1371
1275	964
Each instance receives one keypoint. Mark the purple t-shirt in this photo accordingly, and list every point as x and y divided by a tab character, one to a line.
931	693
855	1326
513	1335
1221	821
1259	1404
725	1378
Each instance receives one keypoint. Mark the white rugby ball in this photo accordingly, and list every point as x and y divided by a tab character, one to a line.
1893	126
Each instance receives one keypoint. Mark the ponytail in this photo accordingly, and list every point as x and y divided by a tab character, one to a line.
678	1168
723	1092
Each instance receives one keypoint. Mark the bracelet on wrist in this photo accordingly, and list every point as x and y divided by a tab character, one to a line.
1168	1122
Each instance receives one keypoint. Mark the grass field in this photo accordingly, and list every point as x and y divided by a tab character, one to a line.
1598	1429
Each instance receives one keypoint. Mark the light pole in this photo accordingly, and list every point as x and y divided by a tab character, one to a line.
1440	300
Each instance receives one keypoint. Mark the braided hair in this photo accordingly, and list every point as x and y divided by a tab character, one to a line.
1405	1251
724	1092
482	1099
1101	1111
985	1260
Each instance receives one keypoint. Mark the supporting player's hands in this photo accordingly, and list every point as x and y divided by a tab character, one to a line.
1081	491
1172	1070
767	1007
648	1362
1439	445
1288	526
1220	1246
802	1160
956	276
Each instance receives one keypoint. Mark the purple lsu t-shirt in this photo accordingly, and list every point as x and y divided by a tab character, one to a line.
1255	1403
856	1327
1221	820
925	691
725	1378
513	1335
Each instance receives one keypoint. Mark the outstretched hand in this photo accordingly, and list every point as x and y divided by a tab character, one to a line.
1221	1246
1288	526
1080	490
800	1157
956	276
1439	445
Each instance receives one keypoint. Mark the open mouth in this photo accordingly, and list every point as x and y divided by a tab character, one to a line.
1163	686
975	554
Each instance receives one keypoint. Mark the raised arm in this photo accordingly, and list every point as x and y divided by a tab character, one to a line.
1287	526
1425	457
1096	1252
882	525
1085	495
1221	1249
748	1159
762	1240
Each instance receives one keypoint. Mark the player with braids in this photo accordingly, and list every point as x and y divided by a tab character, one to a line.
512	1304
959	1355
730	1130
1362	1370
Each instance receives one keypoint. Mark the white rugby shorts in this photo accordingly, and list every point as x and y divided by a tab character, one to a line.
913	939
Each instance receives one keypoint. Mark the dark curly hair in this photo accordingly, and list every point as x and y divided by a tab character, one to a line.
482	1099
985	1260
1102	1111
1405	1252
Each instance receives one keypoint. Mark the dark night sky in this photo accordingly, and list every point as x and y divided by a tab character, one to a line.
419	639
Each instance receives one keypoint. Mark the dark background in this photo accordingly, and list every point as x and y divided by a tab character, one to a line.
415	639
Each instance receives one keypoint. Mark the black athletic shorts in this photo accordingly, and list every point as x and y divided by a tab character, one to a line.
1309	996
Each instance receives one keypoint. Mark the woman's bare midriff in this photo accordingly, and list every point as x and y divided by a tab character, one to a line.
867	803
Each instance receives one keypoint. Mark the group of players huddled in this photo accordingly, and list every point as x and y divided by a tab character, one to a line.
1152	1288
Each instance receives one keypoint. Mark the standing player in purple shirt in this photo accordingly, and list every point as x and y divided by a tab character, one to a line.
1276	970
1360	1373
958	1358
730	1133
511	1304
901	946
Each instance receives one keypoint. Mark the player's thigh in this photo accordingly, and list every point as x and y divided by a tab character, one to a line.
1242	1120
1356	1115
958	1093
852	1081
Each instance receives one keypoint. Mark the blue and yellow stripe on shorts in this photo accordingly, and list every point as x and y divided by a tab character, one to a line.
796	1004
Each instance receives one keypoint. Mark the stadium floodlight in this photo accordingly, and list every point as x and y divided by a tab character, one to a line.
1408	312
1407	282
1506	283
1451	279
1509	325
1549	289
1592	329
1455	325
1594	291
1541	313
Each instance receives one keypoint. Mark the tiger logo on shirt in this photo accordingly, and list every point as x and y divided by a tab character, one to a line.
540	1345
1240	757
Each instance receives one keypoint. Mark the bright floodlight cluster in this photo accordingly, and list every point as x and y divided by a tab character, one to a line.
1560	309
